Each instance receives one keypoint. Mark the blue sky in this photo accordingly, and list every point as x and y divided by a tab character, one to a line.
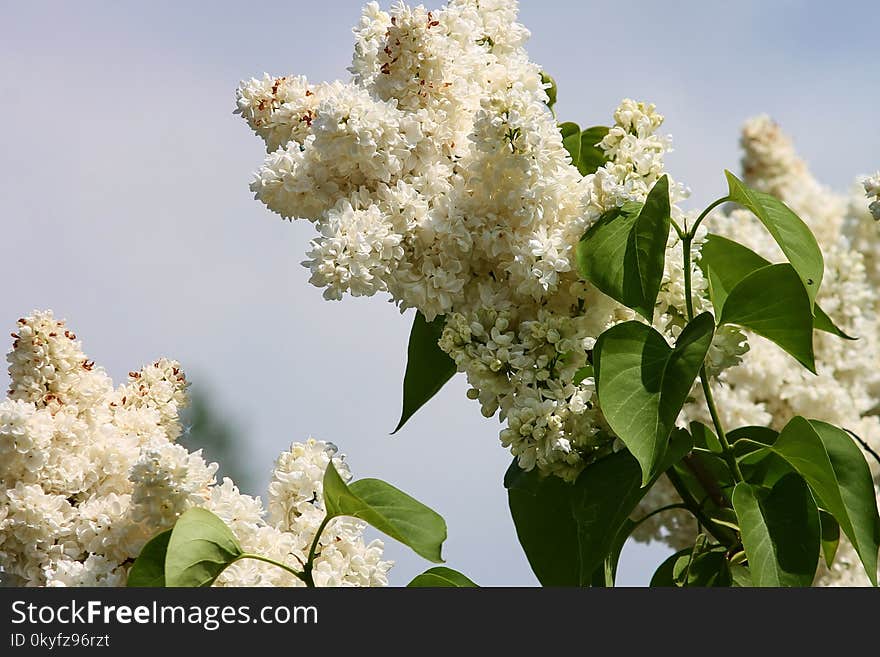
124	176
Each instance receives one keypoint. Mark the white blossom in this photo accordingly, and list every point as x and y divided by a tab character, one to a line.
89	473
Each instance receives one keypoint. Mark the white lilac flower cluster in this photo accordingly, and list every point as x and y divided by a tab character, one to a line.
769	386
438	176
89	473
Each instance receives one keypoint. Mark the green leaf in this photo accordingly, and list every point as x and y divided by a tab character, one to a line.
709	569
572	534
200	548
546	78
149	568
759	464
623	253
428	367
571	140
838	474
780	532
790	232
740	576
665	575
830	536
705	438
440	576
387	509
725	263
608	570
545	525
592	157
772	302
694	568
583	373
604	496
758	434
642	383
706	478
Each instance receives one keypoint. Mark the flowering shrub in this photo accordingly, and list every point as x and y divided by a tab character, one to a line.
641	358
90	473
709	379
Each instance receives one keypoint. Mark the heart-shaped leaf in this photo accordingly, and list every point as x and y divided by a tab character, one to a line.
836	470
440	576
387	509
200	548
624	252
428	367
642	383
780	532
790	232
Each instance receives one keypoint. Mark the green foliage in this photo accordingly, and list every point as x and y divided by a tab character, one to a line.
440	576
834	467
551	90
642	383
583	146
772	302
201	546
571	140
149	568
669	572
780	531
702	566
725	263
592	157
624	252
387	509
572	534
790	232
428	367
830	536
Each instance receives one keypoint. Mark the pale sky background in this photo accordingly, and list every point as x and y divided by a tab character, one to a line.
125	206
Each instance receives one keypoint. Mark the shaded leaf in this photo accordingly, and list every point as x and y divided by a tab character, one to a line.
571	140
572	534
665	575
428	367
585	372
740	576
704	437
830	536
592	157
839	476
545	525
623	253
149	568
780	532
440	576
642	383
693	568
